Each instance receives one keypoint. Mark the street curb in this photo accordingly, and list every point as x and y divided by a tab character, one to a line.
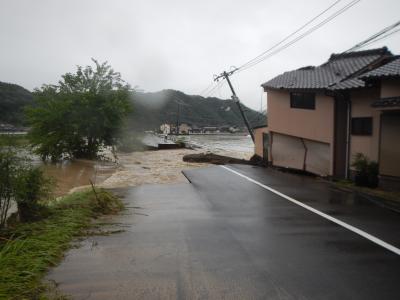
392	205
379	201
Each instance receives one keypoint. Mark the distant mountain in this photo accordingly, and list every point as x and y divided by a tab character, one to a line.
13	98
167	106
150	110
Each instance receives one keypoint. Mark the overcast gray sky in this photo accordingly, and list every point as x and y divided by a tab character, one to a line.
177	44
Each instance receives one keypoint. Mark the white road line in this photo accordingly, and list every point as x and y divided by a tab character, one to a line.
328	217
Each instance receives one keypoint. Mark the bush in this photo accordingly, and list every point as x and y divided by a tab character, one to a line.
22	183
31	186
366	171
8	169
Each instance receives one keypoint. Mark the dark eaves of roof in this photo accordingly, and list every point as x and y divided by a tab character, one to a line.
336	73
380	51
391	69
260	126
387	102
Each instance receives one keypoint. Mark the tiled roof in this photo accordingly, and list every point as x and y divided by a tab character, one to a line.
387	102
331	75
391	69
348	84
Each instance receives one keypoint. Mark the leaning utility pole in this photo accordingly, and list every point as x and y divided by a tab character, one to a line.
235	99
177	118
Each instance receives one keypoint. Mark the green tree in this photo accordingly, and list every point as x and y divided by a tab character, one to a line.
8	171
79	115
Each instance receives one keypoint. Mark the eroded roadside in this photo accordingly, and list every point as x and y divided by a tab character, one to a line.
127	169
150	167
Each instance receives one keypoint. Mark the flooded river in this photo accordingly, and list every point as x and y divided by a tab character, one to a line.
71	174
236	145
141	167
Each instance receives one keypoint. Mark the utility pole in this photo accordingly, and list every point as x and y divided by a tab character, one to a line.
236	99
177	118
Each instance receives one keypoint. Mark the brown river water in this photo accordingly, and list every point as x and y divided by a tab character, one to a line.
71	174
142	167
131	169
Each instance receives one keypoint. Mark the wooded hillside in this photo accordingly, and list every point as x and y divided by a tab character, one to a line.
12	100
150	110
168	106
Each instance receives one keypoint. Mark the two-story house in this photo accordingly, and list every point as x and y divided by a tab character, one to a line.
319	117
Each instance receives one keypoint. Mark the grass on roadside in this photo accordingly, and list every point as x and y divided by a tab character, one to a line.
28	250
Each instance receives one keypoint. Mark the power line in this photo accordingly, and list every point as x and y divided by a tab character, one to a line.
382	38
293	33
218	92
207	88
303	35
216	87
263	56
213	86
225	75
373	38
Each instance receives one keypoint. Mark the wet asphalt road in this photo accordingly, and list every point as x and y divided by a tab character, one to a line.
223	237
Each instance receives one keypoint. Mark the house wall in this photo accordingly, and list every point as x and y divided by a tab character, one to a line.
299	153
390	88
389	164
293	130
184	128
389	156
318	158
287	151
258	140
361	107
165	128
314	124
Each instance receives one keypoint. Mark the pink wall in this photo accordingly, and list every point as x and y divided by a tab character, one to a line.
390	88
314	124
361	107
389	162
258	140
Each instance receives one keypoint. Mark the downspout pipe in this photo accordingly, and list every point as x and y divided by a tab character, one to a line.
305	154
342	96
348	130
348	100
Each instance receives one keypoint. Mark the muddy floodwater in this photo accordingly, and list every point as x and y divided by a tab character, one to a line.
68	175
131	169
142	167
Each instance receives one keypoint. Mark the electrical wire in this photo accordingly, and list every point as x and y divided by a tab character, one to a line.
303	35
207	88
376	37
211	92
292	34
266	54
382	38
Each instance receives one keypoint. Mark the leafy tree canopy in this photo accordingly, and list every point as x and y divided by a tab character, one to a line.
79	115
